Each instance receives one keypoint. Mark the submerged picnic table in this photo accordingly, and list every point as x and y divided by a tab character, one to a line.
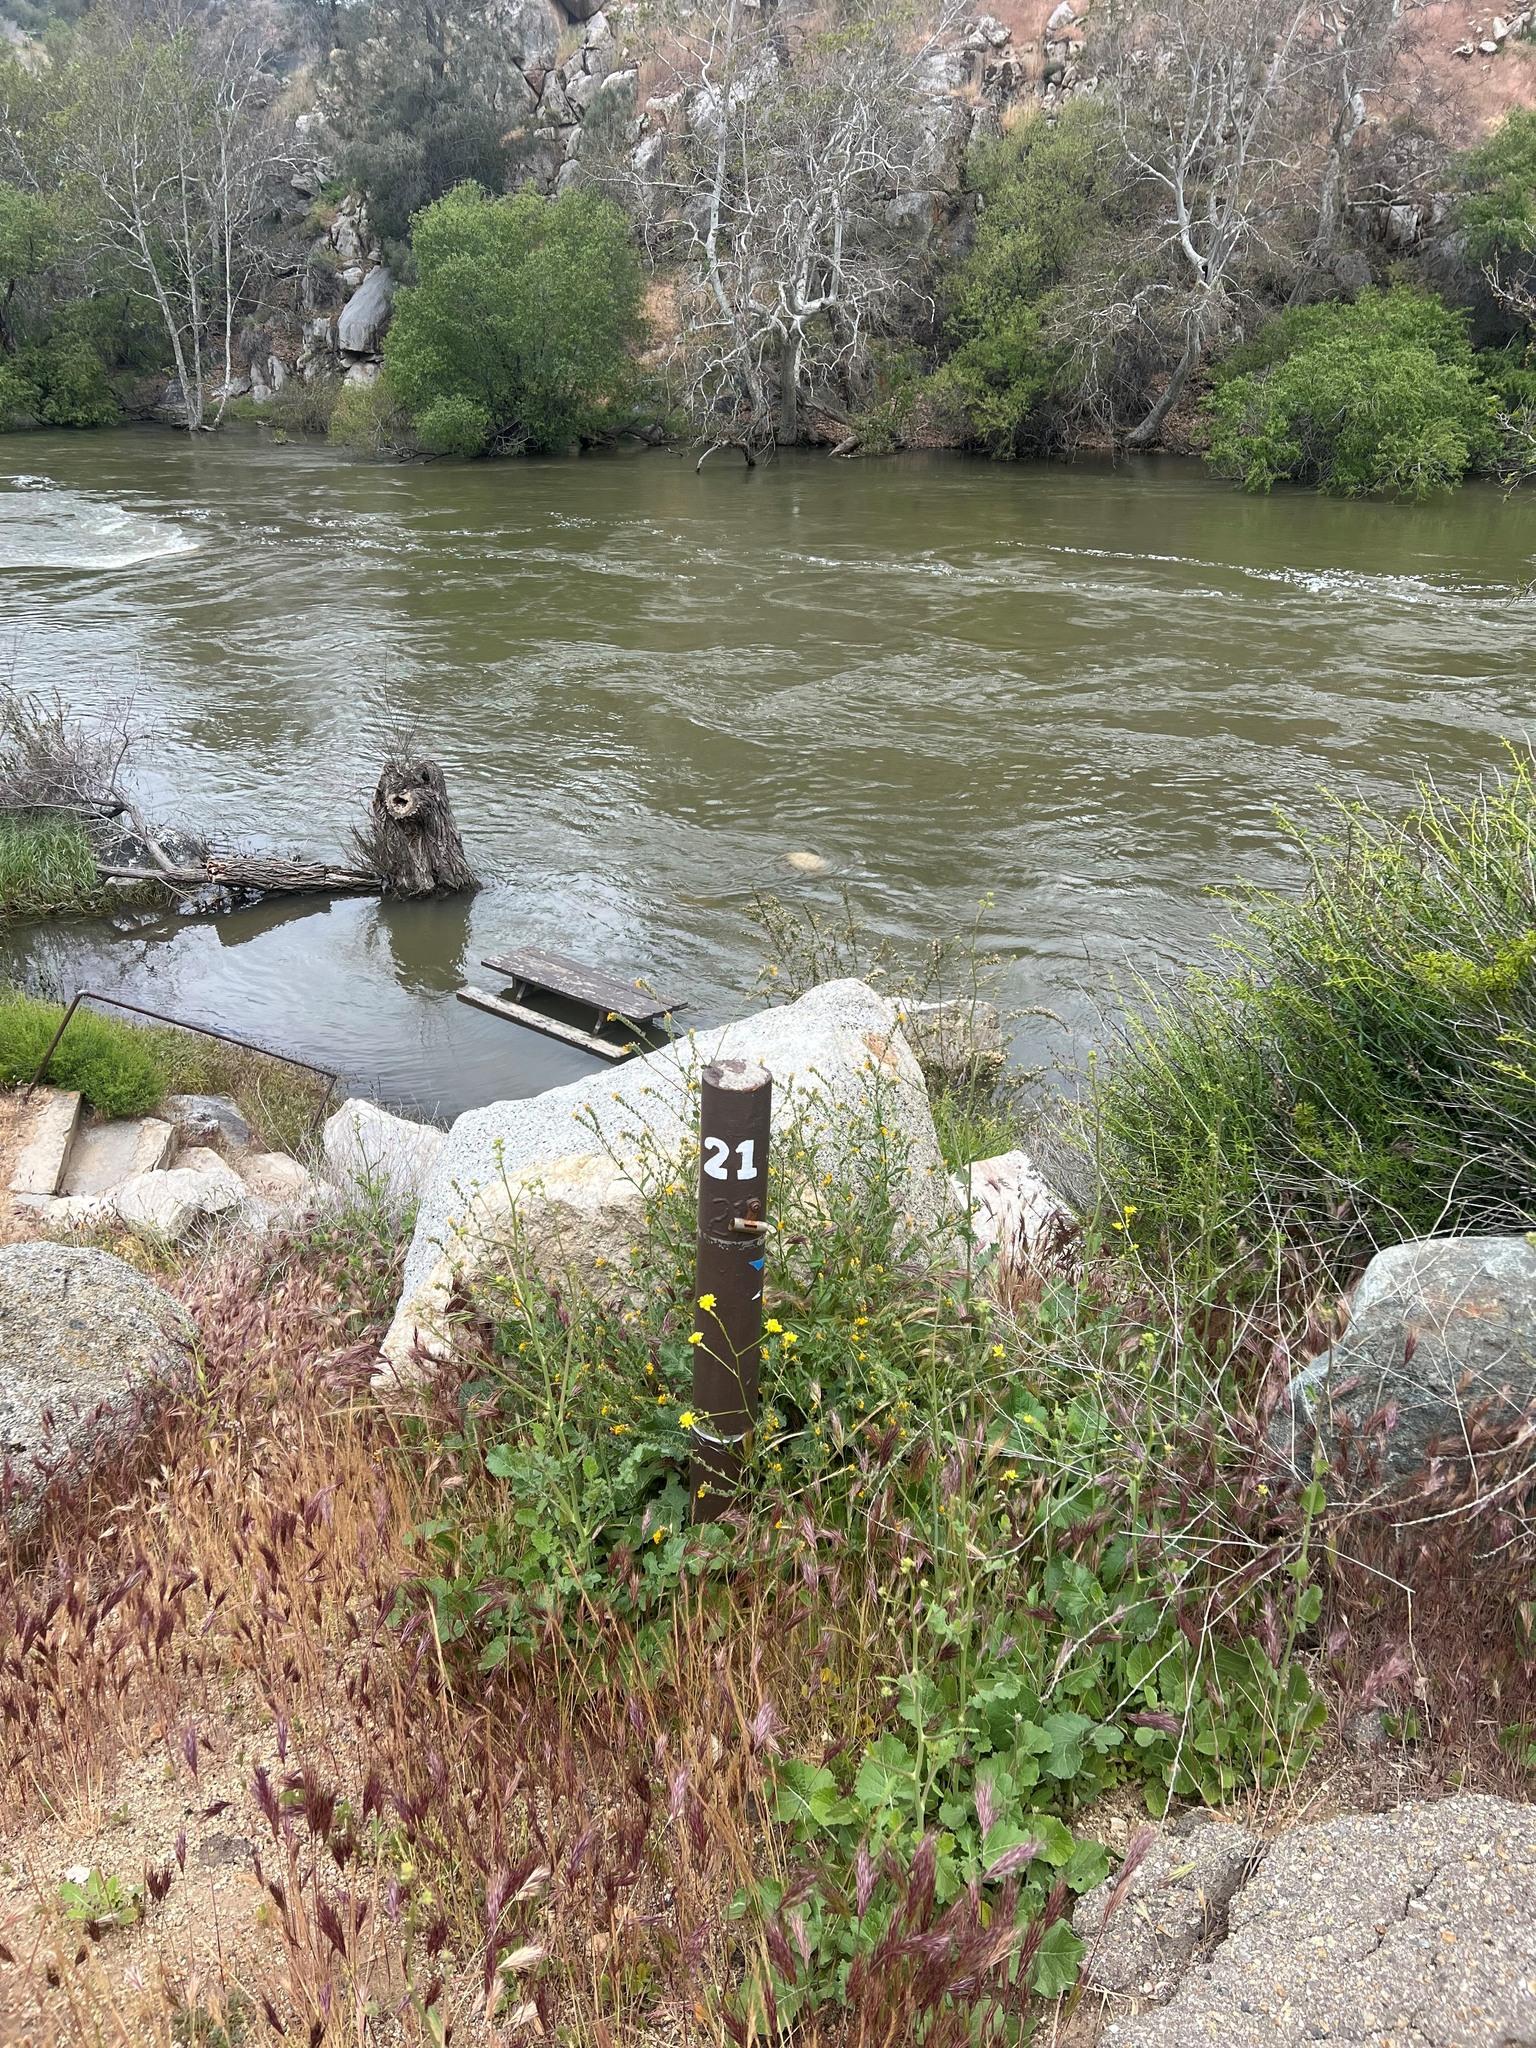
551	974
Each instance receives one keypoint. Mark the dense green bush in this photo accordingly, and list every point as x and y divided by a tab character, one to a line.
1383	395
1046	191
1366	1071
520	328
115	1067
52	371
1496	210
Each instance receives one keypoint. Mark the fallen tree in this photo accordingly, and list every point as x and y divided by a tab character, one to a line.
53	762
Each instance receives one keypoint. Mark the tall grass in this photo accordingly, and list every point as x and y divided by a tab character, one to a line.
46	868
1364	1070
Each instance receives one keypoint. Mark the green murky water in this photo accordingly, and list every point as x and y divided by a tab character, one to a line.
1077	692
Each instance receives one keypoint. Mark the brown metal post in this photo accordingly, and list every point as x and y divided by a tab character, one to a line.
735	1117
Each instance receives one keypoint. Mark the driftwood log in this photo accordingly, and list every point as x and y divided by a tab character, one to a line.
409	847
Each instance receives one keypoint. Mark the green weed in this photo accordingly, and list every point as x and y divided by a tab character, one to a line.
46	868
113	1066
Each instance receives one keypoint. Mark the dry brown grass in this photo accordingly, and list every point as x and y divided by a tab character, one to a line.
208	1685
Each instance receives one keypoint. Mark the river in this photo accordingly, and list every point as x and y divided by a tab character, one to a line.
1076	692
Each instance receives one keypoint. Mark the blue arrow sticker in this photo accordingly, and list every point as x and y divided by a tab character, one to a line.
758	1265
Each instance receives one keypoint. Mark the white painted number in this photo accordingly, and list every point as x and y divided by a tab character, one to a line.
717	1154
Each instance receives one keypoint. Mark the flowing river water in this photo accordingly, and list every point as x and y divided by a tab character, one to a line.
1077	693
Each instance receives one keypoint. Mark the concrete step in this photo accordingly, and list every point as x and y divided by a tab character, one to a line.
54	1116
105	1155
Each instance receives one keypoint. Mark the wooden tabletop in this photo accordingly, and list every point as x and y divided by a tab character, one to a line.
581	984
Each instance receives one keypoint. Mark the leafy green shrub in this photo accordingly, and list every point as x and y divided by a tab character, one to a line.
115	1067
370	419
46	867
1366	1072
458	425
1381	396
520	327
1047	191
1008	1584
1496	210
53	373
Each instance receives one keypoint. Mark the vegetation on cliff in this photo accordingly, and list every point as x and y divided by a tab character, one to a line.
794	198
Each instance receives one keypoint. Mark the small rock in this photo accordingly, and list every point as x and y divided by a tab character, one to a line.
804	862
1368	1732
1015	1214
286	1186
382	1157
1500	29
208	1119
1488	48
1174	1904
1442	1331
84	1341
174	1202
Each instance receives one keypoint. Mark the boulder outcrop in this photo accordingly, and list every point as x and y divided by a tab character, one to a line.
842	1071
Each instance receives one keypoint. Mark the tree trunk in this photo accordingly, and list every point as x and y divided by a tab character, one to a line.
789	391
411	841
1147	432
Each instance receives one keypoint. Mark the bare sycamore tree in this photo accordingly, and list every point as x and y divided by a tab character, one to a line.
1357	47
166	141
1206	95
792	160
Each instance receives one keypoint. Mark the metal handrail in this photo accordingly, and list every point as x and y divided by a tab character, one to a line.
92	995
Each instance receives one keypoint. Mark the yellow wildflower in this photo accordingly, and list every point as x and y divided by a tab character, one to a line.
706	1301
657	1535
687	1419
773	1326
696	1337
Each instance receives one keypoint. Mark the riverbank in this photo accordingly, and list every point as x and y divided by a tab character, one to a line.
420	1704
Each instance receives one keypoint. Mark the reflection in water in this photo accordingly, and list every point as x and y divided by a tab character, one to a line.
428	943
1078	692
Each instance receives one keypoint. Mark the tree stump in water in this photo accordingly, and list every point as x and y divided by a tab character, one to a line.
411	841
